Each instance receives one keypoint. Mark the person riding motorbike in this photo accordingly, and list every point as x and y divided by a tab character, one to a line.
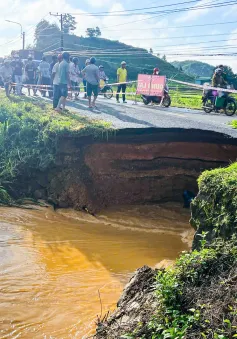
218	79
102	76
156	71
162	100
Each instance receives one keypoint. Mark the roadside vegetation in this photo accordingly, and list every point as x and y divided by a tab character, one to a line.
29	131
234	124
198	296
214	209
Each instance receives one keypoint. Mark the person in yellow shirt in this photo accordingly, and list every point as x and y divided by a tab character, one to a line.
122	76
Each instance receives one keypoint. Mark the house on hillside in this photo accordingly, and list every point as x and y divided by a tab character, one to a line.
202	80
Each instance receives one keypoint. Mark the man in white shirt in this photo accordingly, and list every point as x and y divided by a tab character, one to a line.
44	68
55	79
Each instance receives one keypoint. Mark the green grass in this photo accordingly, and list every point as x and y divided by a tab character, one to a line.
234	124
29	131
215	207
197	296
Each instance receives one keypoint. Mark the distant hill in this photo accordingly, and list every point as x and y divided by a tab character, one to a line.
109	53
194	68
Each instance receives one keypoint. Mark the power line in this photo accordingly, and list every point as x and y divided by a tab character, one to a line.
181	37
172	37
135	9
171	27
177	10
131	12
61	27
195	43
130	22
54	44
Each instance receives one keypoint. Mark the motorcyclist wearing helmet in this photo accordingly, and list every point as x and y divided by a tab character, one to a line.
156	71
218	79
102	73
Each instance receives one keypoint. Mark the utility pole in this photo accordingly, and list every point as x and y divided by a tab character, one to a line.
61	28
23	35
23	40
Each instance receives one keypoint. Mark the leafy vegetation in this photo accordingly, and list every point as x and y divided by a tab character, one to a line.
201	69
194	68
234	124
93	32
214	209
29	131
197	297
190	295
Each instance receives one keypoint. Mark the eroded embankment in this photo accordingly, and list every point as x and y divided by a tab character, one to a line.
132	166
196	298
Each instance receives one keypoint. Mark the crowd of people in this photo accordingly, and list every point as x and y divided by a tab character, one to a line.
57	77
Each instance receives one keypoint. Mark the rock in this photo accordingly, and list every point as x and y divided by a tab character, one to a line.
135	307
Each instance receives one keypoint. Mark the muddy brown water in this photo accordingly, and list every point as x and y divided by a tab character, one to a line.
53	264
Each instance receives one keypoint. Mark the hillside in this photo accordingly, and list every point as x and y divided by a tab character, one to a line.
109	53
194	68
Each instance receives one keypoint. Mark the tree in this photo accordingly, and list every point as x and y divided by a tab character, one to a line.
69	23
93	32
151	51
164	57
158	55
97	32
30	46
230	76
46	35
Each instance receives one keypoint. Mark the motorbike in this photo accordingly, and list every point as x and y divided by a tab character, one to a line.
217	100
106	89
166	102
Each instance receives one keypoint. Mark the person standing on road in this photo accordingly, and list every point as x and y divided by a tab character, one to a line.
44	68
30	72
17	66
55	80
6	73
53	62
92	79
75	76
64	81
122	76
84	79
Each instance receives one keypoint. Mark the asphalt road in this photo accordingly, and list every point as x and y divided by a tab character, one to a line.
141	116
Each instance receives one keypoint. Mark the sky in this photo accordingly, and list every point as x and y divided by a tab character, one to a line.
183	32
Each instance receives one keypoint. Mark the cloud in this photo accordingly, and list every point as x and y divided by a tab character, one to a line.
138	30
98	3
229	11
194	14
